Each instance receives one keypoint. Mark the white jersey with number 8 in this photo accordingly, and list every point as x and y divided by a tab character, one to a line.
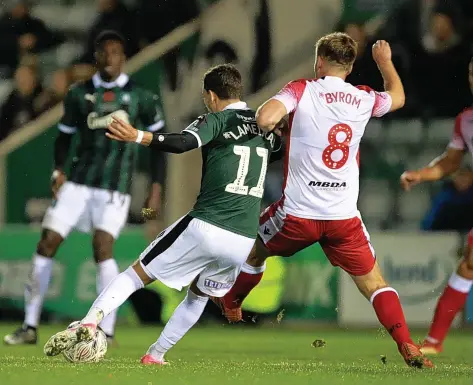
327	120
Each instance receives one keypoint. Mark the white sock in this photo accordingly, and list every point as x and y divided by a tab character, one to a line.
117	292
106	272
184	317
253	270
36	288
459	283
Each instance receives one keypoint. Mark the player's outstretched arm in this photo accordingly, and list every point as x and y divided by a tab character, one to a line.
392	82
442	166
174	143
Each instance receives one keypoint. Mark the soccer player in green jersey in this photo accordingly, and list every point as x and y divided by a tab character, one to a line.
207	247
96	195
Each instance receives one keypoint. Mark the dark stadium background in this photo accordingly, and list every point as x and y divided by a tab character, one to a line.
418	236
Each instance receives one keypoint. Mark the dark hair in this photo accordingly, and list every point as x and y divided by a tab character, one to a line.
108	35
338	48
224	80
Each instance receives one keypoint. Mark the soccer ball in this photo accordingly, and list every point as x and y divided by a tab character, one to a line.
87	351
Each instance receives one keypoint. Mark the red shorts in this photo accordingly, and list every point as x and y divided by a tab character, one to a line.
345	242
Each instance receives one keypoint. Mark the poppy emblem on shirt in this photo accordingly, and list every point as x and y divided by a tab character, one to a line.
108	96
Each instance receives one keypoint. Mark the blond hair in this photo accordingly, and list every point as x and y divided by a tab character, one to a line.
338	49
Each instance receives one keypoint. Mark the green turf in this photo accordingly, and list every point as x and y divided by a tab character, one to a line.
228	355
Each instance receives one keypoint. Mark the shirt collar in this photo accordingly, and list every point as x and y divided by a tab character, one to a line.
118	82
333	78
237	106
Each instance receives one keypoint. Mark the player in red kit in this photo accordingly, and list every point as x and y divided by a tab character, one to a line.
459	285
327	119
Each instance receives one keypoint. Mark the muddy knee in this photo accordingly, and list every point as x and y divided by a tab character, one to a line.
49	243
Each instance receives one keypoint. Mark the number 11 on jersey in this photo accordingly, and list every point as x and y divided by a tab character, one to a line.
238	186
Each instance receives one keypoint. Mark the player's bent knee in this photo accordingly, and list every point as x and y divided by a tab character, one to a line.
145	278
369	283
194	289
468	258
258	255
49	243
102	245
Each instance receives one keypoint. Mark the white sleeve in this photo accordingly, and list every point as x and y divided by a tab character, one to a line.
291	94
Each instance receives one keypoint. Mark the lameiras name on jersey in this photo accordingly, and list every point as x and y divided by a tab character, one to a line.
235	156
88	110
251	128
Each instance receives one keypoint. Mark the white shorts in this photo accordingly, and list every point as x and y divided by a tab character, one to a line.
190	248
85	208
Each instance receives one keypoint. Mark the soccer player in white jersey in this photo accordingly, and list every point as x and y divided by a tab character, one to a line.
327	119
459	285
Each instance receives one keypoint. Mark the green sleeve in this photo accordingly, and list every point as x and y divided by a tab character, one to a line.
151	113
70	119
205	128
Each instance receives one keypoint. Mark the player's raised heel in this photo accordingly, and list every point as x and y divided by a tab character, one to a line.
22	336
148	359
232	315
414	357
59	342
430	349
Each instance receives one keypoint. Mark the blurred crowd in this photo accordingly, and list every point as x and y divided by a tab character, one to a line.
431	42
23	38
432	46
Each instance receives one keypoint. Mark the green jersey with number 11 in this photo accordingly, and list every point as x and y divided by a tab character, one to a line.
235	154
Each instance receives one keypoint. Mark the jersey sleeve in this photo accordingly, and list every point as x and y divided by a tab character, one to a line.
69	121
205	128
291	94
382	101
151	114
457	141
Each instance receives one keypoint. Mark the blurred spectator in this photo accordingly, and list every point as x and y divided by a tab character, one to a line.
21	34
452	208
56	91
365	70
157	18
113	15
442	63
23	104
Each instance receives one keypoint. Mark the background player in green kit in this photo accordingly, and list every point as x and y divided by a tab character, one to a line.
206	248
96	195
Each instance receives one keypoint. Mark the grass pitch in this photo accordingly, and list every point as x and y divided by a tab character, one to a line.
229	355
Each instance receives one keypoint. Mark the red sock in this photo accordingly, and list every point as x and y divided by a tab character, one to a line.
389	311
449	304
240	290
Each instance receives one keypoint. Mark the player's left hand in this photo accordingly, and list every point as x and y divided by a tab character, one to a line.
381	52
121	131
281	128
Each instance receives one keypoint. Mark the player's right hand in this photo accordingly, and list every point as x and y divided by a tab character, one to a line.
410	179
381	52
57	180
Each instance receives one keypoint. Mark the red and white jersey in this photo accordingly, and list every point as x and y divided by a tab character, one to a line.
462	138
327	120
